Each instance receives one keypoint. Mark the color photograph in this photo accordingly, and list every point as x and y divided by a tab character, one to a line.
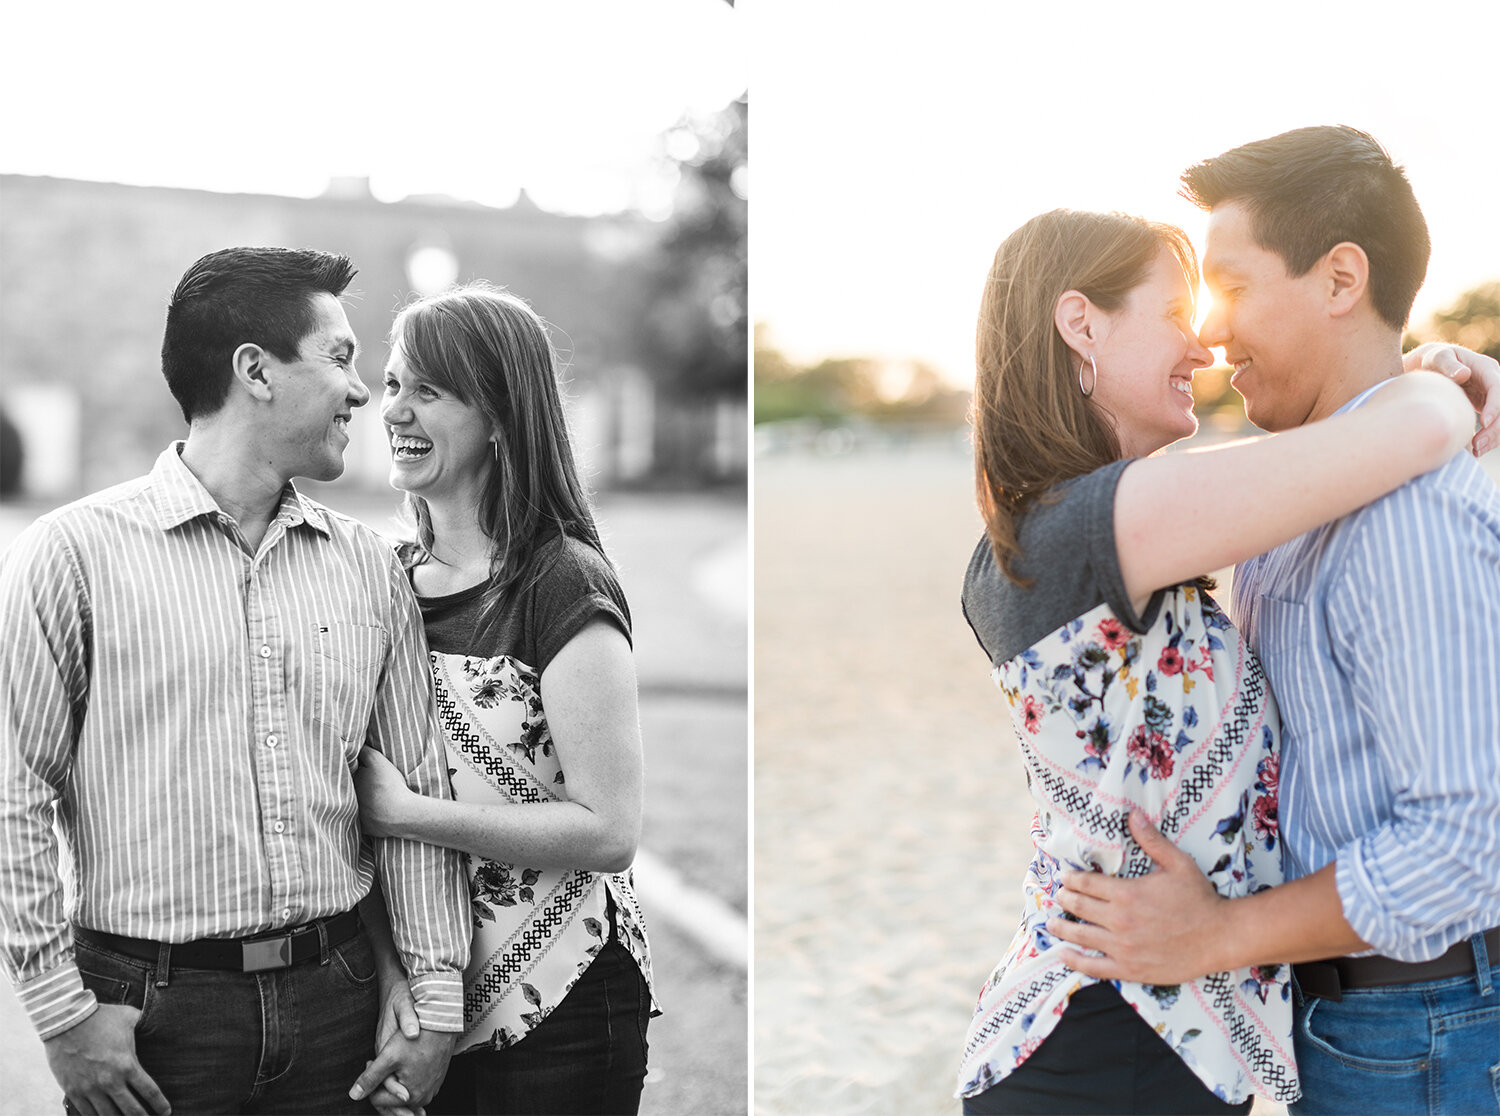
910	813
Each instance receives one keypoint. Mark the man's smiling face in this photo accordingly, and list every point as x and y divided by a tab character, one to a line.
1270	324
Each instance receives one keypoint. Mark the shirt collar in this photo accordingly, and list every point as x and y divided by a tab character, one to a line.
1359	400
179	496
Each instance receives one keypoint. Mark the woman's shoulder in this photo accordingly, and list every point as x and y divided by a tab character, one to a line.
563	560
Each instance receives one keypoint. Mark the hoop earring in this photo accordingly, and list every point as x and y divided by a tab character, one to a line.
1090	389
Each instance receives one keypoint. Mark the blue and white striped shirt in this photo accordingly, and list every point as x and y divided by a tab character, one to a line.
192	714
1380	633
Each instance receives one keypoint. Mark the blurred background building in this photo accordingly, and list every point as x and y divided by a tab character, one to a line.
649	315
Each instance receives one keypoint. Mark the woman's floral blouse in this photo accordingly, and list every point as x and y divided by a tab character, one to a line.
535	929
1178	722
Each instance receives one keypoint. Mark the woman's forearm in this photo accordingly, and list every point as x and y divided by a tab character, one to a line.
1180	515
536	834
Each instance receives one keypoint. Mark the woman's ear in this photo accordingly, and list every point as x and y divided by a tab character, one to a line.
1075	317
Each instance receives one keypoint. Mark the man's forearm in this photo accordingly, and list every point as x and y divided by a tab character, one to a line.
1298	921
426	897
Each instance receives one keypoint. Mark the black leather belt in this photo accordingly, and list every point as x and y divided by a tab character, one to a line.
278	949
1328	979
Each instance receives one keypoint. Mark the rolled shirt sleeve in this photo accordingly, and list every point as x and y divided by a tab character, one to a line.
424	885
43	695
1415	621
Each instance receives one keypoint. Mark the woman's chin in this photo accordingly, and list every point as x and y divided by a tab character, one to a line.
402	480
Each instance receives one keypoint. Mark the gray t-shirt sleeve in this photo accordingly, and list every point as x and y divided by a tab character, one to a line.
1068	549
577	587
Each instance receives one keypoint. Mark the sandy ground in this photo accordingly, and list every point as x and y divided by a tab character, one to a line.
890	805
684	566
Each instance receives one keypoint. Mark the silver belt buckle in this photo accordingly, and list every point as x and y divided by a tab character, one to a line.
267	953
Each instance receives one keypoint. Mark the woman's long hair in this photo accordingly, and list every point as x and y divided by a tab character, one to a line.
1033	428
491	350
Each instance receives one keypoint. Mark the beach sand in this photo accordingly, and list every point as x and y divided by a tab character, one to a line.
891	813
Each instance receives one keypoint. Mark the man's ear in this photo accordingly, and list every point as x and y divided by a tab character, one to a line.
1346	272
250	370
1077	321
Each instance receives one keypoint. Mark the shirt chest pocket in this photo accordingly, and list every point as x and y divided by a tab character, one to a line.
346	664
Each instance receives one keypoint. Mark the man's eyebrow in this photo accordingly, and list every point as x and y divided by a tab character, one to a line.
348	344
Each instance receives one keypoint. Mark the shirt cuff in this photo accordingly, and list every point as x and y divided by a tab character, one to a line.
56	1000
1362	894
440	1001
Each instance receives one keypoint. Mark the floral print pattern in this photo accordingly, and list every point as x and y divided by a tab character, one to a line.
535	929
1180	723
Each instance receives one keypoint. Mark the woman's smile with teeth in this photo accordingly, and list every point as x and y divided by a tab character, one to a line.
404	446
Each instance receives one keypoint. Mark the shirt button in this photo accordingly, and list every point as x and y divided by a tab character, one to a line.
286	913
265	652
280	826
272	740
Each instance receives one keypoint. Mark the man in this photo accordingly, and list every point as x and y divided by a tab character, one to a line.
1378	633
191	663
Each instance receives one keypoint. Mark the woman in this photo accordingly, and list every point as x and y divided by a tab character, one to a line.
529	636
1128	687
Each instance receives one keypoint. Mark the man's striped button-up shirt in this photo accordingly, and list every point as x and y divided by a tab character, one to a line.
189	714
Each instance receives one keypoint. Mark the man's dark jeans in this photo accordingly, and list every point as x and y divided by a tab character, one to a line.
281	1041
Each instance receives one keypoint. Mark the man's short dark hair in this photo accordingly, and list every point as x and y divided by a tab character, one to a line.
235	296
1311	188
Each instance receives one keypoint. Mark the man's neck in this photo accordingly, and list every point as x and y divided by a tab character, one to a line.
242	482
1364	358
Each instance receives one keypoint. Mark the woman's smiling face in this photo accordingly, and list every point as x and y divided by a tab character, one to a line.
441	447
1146	358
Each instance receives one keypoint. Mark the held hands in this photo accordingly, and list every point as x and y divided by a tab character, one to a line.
382	794
1157	929
406	1072
1477	374
95	1063
398	1016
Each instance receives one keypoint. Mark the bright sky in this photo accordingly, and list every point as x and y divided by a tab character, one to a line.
473	98
893	148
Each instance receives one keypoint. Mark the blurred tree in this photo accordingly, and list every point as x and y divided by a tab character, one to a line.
12	455
1472	321
693	301
840	388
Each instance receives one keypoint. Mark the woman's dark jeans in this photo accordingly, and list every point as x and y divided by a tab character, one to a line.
1101	1057
283	1041
588	1058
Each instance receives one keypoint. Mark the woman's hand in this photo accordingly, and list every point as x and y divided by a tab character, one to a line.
1476	373
383	794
